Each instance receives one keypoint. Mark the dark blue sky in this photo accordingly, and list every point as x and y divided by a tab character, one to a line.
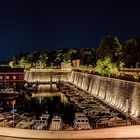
30	25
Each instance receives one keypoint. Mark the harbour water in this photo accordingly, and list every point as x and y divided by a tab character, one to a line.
52	101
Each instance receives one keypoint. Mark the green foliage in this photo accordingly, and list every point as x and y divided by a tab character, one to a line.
23	63
106	67
11	64
106	58
53	59
41	63
130	53
121	64
109	46
15	62
136	76
86	67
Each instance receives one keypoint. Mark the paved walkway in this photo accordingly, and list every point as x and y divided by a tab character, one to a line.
120	132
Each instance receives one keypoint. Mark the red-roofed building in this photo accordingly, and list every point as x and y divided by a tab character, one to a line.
11	77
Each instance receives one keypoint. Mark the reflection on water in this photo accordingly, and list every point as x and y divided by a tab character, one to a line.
47	88
53	101
49	91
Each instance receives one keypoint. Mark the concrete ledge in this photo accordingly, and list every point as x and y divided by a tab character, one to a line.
119	132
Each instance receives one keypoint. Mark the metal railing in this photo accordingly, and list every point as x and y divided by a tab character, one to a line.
115	123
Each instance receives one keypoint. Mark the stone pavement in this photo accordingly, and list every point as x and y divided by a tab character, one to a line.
119	132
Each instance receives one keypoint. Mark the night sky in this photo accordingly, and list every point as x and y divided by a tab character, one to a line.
31	25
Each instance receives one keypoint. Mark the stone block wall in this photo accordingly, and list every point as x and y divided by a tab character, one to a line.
113	91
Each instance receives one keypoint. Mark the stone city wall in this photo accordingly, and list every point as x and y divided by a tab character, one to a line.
123	95
46	76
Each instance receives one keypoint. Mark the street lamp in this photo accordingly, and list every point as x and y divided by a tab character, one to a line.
5	81
127	109
13	109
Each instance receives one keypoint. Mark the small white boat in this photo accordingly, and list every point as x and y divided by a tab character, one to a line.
42	123
81	122
8	91
57	123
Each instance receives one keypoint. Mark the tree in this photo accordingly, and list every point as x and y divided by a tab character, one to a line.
30	59
130	54
67	57
109	47
11	64
23	63
14	63
106	67
74	54
60	56
89	58
42	61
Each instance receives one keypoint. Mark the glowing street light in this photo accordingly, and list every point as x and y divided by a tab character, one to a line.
13	109
127	109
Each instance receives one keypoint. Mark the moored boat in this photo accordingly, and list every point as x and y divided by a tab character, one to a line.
57	123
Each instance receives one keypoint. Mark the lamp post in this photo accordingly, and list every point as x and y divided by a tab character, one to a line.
13	107
5	82
127	109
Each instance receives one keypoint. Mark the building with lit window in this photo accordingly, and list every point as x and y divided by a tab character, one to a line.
11	77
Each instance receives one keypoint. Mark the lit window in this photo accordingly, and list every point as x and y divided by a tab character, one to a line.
7	77
1	77
14	77
20	76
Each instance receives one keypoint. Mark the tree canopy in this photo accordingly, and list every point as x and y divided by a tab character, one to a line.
109	47
130	53
110	54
